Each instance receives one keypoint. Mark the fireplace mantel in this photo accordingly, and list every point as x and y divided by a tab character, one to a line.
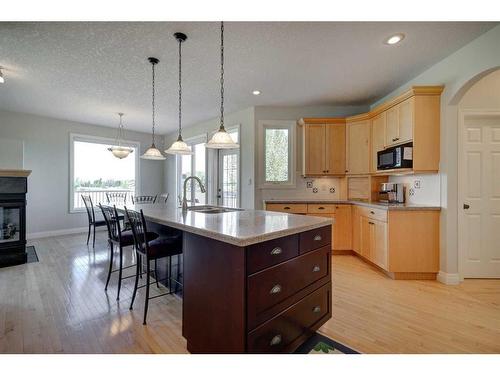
15	172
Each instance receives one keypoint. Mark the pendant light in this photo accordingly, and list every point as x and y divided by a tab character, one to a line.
119	151
152	153
222	139
180	147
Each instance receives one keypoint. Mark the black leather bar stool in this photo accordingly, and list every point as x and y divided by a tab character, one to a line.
162	247
93	223
117	238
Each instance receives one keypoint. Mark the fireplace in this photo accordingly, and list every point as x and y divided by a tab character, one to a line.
13	190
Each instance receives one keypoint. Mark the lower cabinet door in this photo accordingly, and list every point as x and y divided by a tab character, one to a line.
283	332
366	240
342	228
379	245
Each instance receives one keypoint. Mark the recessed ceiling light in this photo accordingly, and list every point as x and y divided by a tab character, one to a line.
395	39
256	92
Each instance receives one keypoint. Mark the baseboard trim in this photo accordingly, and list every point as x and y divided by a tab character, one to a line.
448	278
59	232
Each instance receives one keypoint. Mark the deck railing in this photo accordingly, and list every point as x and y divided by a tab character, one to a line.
97	195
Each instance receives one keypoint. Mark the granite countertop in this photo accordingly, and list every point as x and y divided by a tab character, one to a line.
240	228
384	206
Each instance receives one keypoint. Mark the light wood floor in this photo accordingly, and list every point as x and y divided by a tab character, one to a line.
59	305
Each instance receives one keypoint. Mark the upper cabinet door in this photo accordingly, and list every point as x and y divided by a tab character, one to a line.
335	149
392	126
406	121
358	147
314	158
378	138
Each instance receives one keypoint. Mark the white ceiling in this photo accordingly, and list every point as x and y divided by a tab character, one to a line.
88	72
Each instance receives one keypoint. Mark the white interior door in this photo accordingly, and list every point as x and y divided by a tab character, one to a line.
479	194
228	192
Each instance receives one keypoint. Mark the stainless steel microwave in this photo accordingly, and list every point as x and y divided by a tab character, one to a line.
395	157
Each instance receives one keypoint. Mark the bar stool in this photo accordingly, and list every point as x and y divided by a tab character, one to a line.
119	239
144	199
116	197
162	247
89	206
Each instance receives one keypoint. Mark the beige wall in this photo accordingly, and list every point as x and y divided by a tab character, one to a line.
484	94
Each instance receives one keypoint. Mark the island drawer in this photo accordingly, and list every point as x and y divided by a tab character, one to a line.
279	333
273	286
269	253
291	208
320	208
315	239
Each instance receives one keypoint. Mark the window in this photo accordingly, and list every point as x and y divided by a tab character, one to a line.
95	171
276	153
193	165
228	192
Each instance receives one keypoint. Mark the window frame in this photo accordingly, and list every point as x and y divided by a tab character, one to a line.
291	126
201	138
98	140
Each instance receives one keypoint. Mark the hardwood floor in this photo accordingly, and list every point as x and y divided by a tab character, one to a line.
59	306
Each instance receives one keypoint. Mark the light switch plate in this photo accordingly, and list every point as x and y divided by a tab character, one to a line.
309	184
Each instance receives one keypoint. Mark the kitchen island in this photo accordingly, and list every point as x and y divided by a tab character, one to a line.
253	281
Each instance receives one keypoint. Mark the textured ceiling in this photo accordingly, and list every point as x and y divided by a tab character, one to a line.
89	71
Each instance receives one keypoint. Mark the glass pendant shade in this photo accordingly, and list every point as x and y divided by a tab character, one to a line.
179	147
119	151
152	153
222	140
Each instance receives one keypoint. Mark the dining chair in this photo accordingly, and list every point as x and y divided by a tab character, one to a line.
144	199
164	197
116	197
93	223
162	247
119	239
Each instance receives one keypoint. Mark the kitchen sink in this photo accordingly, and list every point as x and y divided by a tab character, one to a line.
206	209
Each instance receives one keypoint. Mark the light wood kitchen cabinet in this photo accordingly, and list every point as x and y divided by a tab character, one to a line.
399	124
358	146
342	228
324	147
374	241
378	138
356	229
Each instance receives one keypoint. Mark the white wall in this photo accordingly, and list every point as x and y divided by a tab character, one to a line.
293	114
46	153
11	153
245	118
458	72
429	192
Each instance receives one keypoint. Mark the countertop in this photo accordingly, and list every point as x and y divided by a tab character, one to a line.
240	228
384	206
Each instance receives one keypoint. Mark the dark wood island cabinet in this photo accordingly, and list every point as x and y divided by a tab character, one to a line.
268	297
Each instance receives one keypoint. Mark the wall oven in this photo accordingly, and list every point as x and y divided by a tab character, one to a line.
395	157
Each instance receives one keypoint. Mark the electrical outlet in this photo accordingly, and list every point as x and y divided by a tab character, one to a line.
332	190
417	184
309	184
411	192
315	190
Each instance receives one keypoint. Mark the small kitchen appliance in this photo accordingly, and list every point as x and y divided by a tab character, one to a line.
395	157
391	193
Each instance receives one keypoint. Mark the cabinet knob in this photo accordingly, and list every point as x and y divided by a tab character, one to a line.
466	206
276	340
371	223
327	171
317	309
275	289
317	238
316	269
373	213
395	139
276	251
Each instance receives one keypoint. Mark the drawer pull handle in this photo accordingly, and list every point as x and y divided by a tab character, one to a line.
373	213
276	251
275	289
317	238
286	208
276	340
317	310
316	269
321	208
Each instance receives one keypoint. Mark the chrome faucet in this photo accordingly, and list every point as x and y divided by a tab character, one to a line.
184	200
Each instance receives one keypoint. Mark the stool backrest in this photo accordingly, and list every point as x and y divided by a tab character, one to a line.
144	199
116	197
164	197
139	229
87	201
112	220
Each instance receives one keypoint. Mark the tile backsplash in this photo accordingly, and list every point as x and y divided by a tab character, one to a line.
421	188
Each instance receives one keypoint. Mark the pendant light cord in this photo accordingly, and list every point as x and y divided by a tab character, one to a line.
153	102
180	90
222	75
120	130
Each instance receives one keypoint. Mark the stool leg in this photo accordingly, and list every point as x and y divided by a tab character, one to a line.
156	274
93	239
178	272
110	264
120	274
139	261
146	304
88	235
137	272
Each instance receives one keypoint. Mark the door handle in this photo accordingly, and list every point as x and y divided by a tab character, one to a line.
466	206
